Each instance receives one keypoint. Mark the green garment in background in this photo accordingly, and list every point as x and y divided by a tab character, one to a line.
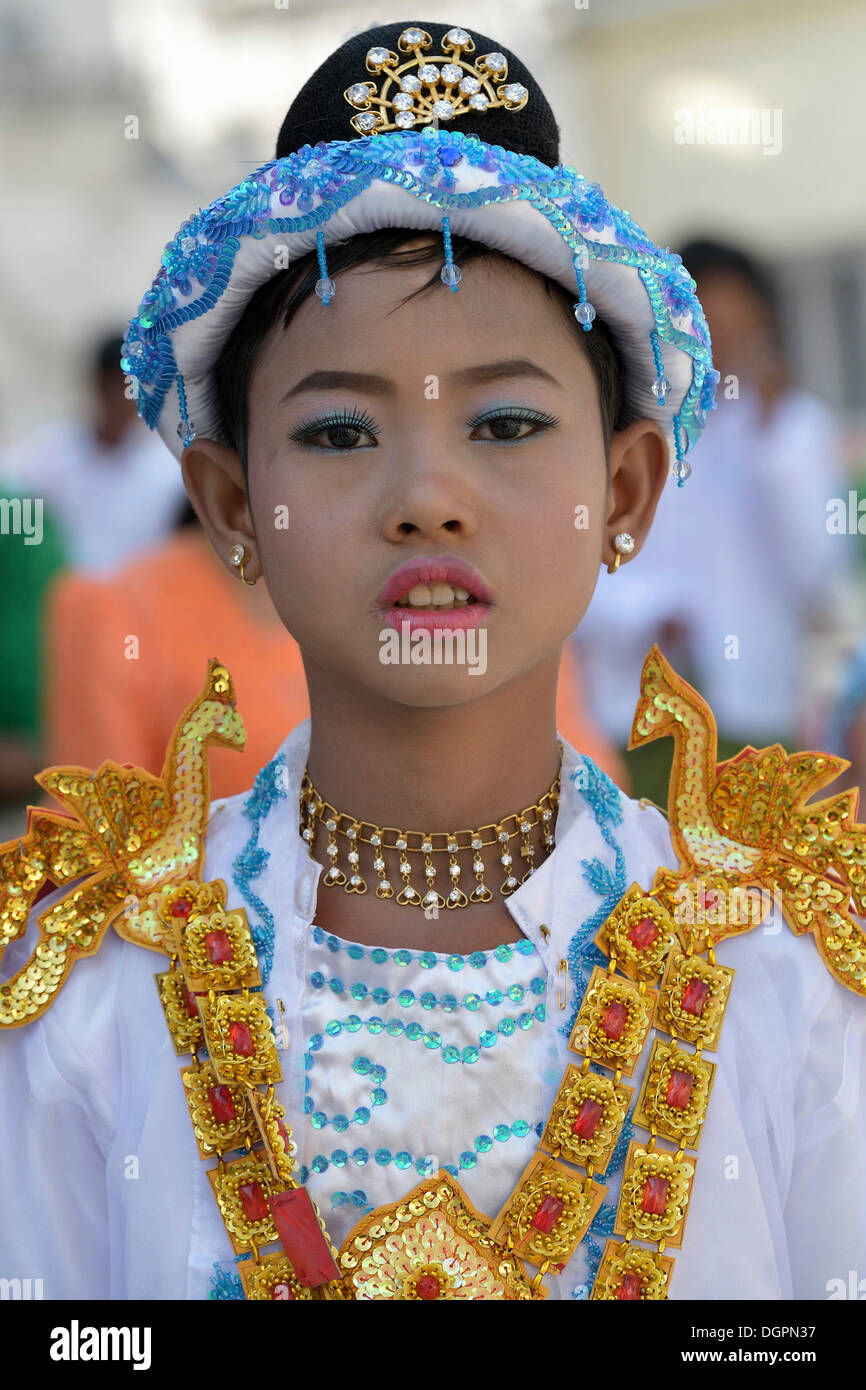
25	572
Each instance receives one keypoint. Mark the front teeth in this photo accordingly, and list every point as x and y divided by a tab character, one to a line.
439	595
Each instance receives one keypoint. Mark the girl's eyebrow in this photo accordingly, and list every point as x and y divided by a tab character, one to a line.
477	375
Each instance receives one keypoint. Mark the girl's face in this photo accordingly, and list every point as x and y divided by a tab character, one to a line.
464	426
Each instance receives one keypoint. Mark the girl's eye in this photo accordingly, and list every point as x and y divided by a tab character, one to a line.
506	426
343	432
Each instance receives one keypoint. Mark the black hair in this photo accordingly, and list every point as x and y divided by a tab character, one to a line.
283	294
703	256
105	355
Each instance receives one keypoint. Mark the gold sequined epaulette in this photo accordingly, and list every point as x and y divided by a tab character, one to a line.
126	839
746	838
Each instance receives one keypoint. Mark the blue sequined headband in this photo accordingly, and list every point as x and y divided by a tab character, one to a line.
551	220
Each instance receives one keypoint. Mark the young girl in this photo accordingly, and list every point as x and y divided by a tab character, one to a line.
422	382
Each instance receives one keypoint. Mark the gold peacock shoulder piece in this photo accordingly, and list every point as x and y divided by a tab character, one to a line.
126	839
748	837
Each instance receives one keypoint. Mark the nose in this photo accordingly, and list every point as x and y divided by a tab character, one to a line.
429	497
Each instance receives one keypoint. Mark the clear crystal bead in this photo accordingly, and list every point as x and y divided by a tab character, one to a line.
333	851
496	61
403	101
311	807
451	72
479	102
458	37
354	857
515	91
506	859
427	846
330	825
525	827
502	836
477	843
454	895
378	864
326	289
443	110
428	72
375	839
351	833
401	844
377	55
405	119
188	245
584	313
660	388
307	834
452	846
412	37
682	469
430	871
410	893
511	883
367	120
478	866
454	870
358	93
354	879
405	867
468	85
410	83
332	873
431	898
451	274
383	883
546	815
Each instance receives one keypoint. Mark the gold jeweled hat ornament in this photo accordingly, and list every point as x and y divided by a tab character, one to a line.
430	87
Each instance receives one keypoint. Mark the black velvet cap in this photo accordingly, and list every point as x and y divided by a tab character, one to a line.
321	112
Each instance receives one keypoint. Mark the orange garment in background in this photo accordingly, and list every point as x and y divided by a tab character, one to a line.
182	606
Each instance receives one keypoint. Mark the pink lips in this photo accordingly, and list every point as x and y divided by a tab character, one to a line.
446	569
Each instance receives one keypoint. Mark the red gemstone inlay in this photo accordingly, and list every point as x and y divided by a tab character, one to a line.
695	996
643	933
218	946
680	1089
614	1020
253	1201
587	1120
427	1287
181	908
242	1040
630	1287
284	1134
655	1196
282	1291
548	1214
222	1105
301	1234
189	1001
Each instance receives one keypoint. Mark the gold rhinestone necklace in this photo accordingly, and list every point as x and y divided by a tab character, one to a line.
361	840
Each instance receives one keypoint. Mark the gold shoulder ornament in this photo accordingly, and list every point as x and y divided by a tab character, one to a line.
744	827
124	838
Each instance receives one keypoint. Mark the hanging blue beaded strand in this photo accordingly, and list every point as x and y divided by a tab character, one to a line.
325	287
682	468
450	273
584	312
185	430
661	385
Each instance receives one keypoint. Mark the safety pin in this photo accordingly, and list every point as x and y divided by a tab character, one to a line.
562	998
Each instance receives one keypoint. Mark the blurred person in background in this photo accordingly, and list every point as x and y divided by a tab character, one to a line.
740	568
110	488
124	653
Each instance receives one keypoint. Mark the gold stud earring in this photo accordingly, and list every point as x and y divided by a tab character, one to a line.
623	544
239	558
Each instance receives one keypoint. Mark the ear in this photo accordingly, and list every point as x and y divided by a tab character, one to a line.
214	478
639	469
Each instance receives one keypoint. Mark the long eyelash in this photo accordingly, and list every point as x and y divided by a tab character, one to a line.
516	412
355	419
